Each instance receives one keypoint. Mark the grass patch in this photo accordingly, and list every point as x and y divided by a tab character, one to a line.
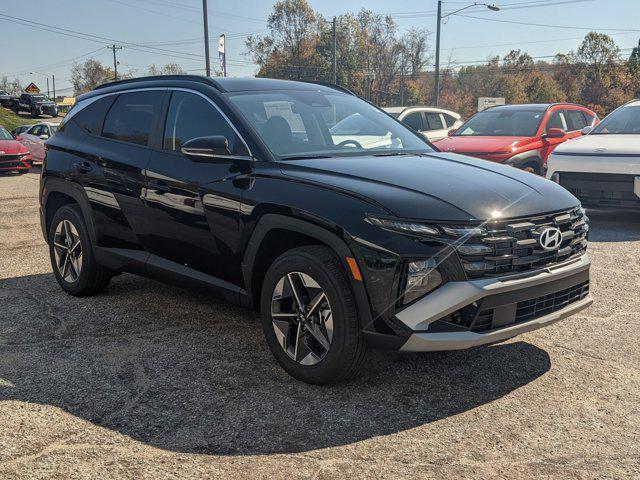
10	120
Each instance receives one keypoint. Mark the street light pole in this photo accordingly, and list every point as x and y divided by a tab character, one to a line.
206	38
492	7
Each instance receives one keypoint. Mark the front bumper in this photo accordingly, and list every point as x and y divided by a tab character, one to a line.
504	297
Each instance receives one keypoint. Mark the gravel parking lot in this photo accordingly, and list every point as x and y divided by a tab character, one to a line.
150	381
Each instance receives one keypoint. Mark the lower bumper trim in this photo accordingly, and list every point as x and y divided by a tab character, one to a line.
437	341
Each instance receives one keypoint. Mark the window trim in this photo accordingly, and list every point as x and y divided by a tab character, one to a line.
163	113
163	125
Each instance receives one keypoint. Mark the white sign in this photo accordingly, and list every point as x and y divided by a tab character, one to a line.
486	102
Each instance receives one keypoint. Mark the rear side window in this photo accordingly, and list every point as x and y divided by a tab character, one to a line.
88	118
434	122
575	120
414	120
131	116
191	116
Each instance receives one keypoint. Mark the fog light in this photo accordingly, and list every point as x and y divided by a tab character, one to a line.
422	277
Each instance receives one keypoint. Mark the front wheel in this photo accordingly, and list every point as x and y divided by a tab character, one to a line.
72	258
309	316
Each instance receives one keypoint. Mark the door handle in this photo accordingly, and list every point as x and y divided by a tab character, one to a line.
159	186
82	167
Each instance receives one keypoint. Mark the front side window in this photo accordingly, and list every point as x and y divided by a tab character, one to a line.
131	116
86	115
414	120
299	123
502	122
191	116
575	120
555	121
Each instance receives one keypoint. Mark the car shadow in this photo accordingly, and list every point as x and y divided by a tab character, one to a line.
613	225
184	372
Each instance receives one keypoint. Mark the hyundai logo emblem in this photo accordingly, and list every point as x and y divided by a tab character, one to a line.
550	238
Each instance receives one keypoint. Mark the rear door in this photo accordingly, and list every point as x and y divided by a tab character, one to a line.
29	138
120	131
193	205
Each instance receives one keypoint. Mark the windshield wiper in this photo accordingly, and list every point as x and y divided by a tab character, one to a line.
304	157
392	154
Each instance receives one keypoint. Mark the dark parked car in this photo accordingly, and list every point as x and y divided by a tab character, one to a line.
238	185
5	99
37	104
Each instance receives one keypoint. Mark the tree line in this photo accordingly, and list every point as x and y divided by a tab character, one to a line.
377	62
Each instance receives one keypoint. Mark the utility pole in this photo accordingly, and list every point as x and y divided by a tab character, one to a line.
53	78
115	47
48	95
205	16
402	86
335	54
437	82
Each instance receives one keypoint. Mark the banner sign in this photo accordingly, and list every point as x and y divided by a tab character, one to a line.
221	55
486	102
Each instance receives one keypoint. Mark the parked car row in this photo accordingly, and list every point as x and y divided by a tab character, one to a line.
37	104
24	146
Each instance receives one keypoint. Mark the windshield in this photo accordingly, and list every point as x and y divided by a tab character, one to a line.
300	124
502	123
4	135
624	121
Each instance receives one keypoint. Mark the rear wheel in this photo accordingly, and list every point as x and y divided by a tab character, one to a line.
72	258
309	316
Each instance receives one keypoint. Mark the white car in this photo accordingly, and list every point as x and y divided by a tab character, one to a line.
35	137
602	168
432	122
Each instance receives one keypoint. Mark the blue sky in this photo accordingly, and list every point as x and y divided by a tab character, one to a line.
175	25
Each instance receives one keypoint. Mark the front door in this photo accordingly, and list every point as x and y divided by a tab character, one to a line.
193	205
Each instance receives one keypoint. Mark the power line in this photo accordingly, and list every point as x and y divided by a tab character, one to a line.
570	27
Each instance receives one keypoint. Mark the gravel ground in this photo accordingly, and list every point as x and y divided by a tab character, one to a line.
150	381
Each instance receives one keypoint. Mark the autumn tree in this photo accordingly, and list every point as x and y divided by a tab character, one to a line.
168	69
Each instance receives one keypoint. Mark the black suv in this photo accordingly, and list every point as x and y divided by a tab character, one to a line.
36	104
367	238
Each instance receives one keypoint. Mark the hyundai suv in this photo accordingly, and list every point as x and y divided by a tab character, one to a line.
239	185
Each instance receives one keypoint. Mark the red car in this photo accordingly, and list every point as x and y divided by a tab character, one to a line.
13	155
522	136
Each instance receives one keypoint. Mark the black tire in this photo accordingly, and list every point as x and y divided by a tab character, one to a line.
347	348
93	278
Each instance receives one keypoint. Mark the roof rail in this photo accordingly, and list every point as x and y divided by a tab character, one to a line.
331	85
193	78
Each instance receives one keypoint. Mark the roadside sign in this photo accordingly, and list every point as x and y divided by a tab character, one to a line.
486	102
32	88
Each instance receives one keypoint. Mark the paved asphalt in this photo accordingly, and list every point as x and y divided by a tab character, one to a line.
150	381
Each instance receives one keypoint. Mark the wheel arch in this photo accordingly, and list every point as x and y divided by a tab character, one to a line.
285	233
525	158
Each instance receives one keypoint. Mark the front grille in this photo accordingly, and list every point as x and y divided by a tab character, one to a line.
541	306
512	246
8	161
601	188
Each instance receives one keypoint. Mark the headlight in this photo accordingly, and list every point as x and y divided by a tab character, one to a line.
422	277
403	226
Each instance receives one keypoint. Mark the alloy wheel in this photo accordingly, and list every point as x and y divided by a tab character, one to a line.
302	318
67	250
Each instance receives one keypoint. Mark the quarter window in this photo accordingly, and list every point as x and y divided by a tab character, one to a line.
191	116
131	117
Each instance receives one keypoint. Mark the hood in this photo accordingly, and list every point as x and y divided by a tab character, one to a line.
46	102
12	147
601	145
469	144
437	186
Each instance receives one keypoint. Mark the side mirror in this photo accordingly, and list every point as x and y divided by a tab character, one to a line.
586	130
44	137
202	148
555	133
451	132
